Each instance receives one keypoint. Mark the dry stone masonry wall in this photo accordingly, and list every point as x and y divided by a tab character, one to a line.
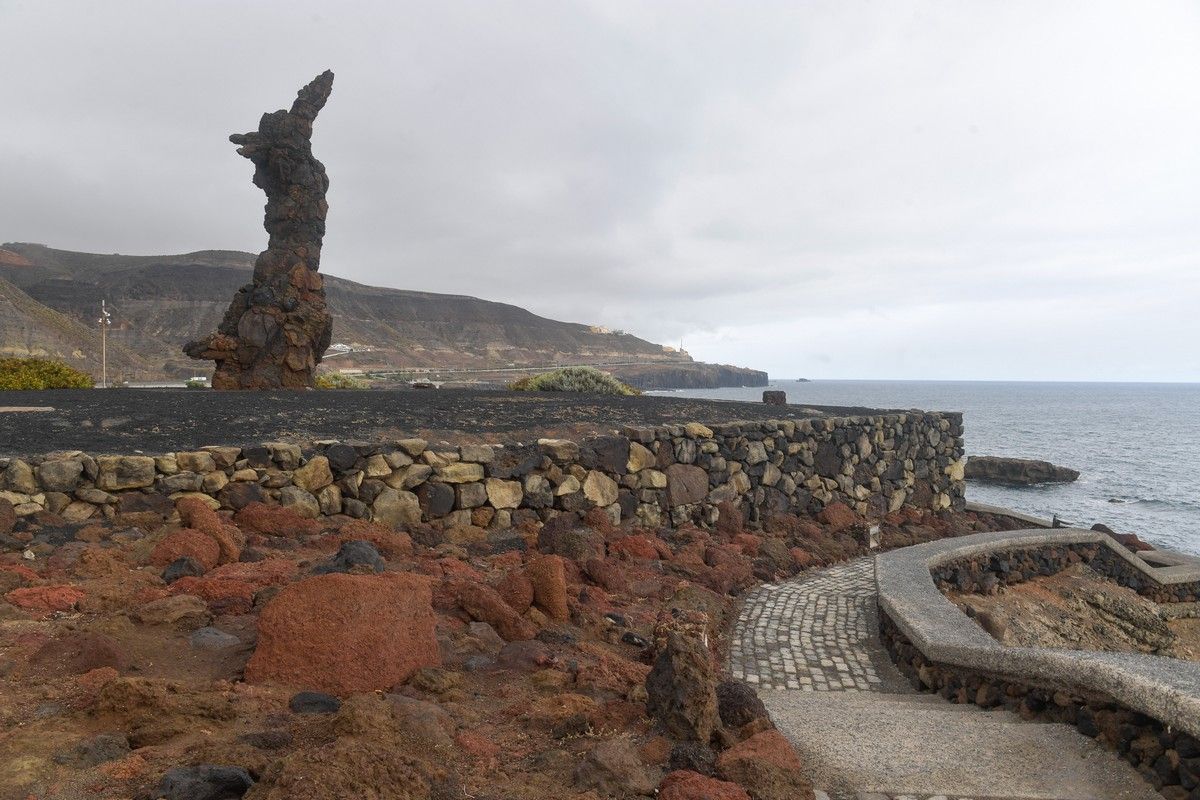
655	475
986	573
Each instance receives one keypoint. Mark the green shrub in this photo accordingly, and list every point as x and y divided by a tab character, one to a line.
336	380
39	373
586	380
196	383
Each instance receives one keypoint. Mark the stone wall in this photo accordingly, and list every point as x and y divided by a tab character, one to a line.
1168	758
986	573
659	475
1143	707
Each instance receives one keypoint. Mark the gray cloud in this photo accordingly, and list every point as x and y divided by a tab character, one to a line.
838	189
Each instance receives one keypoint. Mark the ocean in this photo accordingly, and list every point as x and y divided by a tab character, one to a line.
1134	444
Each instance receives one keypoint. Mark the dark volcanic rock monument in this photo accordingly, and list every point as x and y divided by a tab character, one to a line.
278	327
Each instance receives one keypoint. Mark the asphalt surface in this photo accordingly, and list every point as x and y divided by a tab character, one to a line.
165	420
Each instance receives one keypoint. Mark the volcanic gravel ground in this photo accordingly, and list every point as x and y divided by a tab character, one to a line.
163	420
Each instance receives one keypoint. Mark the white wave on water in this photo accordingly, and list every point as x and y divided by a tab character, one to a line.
1133	443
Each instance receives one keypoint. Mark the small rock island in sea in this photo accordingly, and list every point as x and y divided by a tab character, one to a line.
1017	471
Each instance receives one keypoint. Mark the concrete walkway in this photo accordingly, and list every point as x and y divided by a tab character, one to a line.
811	647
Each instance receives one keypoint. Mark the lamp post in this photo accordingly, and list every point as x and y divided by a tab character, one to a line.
105	321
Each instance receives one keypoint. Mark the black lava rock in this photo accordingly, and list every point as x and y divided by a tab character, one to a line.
96	750
573	726
507	541
551	636
693	756
436	499
738	704
515	461
182	568
353	554
342	458
204	782
314	703
629	637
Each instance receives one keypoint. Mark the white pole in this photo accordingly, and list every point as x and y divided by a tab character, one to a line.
104	323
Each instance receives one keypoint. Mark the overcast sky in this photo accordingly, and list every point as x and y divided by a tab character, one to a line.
959	189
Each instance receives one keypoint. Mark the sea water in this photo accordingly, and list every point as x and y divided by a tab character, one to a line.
1136	445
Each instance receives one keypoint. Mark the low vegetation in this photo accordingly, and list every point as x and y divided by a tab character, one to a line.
586	380
39	373
335	380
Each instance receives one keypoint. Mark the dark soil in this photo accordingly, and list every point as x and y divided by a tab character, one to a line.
163	420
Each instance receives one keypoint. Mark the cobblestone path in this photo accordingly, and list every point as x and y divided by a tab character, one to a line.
811	648
815	633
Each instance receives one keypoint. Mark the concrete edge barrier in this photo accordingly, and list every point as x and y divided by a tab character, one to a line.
1164	688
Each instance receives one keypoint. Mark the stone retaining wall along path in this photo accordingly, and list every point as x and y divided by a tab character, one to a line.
812	648
657	475
1147	708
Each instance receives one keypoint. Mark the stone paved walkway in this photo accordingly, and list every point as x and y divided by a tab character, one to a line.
816	633
811	648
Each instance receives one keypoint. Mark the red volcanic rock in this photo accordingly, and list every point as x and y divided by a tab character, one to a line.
549	579
606	574
1129	540
342	633
231	541
794	527
451	568
602	671
477	745
259	574
684	784
484	604
593	598
729	570
634	547
195	513
21	571
45	599
838	516
748	543
78	652
275	521
517	591
392	544
187	542
802	558
767	766
94	680
223	595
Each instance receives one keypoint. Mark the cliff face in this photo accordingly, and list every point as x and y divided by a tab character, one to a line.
689	376
163	301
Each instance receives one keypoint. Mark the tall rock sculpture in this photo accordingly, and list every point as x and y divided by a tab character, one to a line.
278	327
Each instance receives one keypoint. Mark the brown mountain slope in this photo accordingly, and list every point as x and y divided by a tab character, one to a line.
28	329
160	302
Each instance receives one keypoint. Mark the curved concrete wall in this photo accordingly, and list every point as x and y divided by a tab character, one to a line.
1166	689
